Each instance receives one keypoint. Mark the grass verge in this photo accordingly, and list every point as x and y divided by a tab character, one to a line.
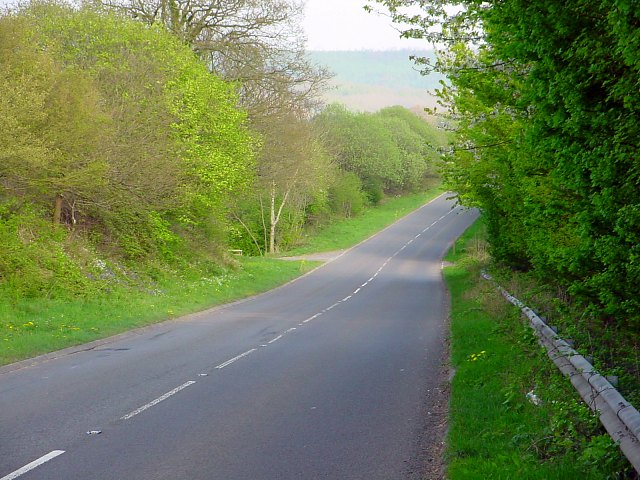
349	231
512	414
30	327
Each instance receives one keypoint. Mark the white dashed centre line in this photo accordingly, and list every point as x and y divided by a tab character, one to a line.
311	318
32	465
157	400
235	359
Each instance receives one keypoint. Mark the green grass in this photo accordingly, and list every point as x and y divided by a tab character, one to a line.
495	432
349	231
29	327
33	326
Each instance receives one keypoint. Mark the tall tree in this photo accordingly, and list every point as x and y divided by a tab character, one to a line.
293	169
127	130
258	43
53	126
547	95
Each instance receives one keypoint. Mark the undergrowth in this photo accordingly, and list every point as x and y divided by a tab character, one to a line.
512	413
614	349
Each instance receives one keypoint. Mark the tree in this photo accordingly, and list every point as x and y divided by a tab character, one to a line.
293	170
417	142
257	43
53	126
361	144
391	151
129	131
546	95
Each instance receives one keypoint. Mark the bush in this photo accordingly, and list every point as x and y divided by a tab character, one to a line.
36	260
346	197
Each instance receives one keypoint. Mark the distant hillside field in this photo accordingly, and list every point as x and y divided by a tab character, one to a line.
370	80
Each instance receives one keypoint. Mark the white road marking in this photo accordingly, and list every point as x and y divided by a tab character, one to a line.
356	290
311	318
290	330
236	358
275	339
348	297
32	465
156	401
417	236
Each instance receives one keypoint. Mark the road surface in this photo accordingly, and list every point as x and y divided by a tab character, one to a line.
326	377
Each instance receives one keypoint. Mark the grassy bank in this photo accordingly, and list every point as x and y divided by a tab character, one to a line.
33	326
349	231
512	414
30	327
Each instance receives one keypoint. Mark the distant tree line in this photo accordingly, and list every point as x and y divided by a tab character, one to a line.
545	98
173	131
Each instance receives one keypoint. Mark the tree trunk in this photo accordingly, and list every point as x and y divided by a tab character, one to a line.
275	217
274	220
57	210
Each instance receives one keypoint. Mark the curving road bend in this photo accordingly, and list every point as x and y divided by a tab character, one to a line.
323	378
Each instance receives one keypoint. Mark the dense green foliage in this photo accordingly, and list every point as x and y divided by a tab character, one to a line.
314	172
547	106
115	129
392	151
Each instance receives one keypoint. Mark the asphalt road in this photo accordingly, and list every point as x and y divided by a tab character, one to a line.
323	378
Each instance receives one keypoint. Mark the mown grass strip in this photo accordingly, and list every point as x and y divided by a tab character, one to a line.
512	414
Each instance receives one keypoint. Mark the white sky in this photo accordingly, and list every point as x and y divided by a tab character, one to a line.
344	25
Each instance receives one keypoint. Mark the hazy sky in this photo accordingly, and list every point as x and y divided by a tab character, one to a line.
344	25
